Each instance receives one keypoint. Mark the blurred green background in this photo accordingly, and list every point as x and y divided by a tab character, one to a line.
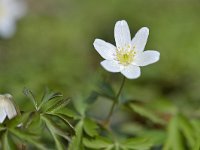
53	47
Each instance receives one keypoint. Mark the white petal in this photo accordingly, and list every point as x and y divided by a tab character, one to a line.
10	109
122	34
111	65
106	50
140	39
20	8
146	58
7	28
131	72
2	114
14	8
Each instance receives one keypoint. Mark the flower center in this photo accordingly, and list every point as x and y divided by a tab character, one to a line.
125	56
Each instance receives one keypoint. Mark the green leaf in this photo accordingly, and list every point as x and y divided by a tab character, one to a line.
69	112
174	140
5	141
58	105
48	95
197	144
63	118
157	136
196	125
98	143
131	128
76	142
54	128
146	113
187	129
33	122
137	144
90	127
80	105
59	145
30	95
55	131
28	137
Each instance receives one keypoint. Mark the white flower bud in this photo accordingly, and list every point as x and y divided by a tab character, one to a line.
10	12
7	107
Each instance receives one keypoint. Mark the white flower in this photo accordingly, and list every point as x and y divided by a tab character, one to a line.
128	55
7	107
10	12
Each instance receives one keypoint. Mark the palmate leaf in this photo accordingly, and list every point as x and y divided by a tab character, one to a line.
76	142
141	110
69	112
28	137
33	123
90	127
64	118
136	144
80	106
48	95
58	104
56	131
54	128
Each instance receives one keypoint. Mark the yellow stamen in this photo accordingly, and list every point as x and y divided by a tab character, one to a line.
124	56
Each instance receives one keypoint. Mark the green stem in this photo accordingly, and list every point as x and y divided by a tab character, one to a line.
120	90
115	102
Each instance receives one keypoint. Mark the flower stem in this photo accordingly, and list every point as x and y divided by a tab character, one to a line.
120	90
115	102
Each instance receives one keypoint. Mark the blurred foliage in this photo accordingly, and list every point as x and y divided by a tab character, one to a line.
53	47
57	36
71	126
